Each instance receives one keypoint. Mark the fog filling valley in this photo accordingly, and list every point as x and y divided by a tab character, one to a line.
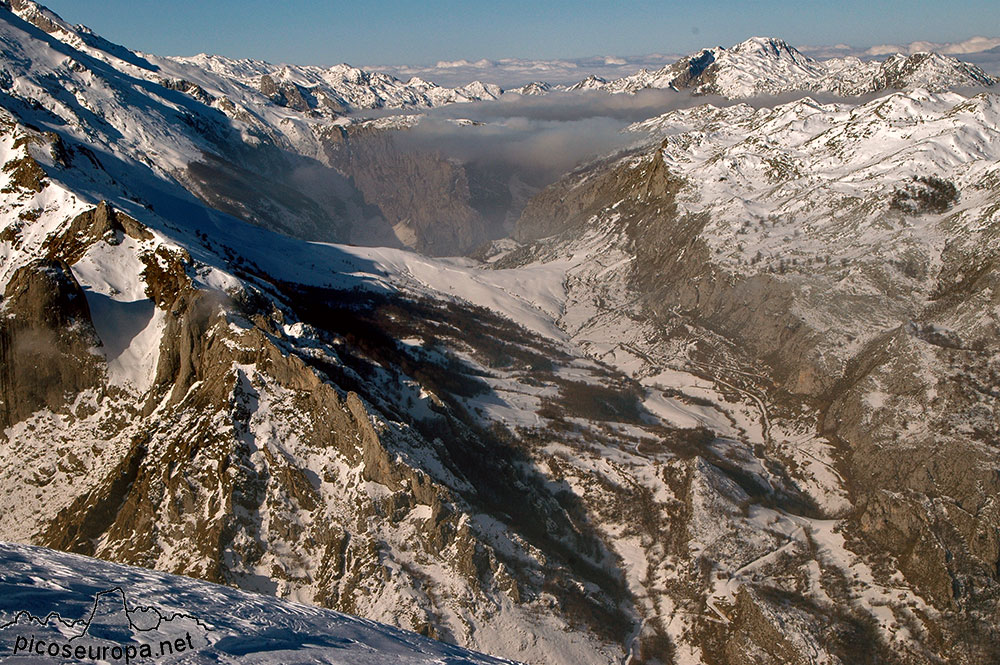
545	136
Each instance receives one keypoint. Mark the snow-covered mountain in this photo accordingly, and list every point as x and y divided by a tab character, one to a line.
326	92
767	66
725	397
834	267
223	128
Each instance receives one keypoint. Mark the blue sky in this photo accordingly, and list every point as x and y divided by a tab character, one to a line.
368	32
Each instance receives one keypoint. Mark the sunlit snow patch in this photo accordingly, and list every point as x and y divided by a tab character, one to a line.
128	323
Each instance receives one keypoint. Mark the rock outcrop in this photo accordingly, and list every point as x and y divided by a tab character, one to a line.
47	341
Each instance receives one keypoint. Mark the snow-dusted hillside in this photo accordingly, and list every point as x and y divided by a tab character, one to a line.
805	178
833	267
51	602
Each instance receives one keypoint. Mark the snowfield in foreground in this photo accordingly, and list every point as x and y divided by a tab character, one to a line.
93	608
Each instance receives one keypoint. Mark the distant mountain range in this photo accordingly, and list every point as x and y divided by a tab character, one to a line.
764	66
514	72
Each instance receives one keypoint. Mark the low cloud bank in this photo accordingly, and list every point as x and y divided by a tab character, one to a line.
543	137
539	137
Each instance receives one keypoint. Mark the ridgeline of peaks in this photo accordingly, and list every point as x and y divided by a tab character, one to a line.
767	66
332	91
324	92
759	65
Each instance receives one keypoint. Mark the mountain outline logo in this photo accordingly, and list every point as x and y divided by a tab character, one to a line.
112	631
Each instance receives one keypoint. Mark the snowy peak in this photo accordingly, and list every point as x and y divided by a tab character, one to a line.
39	16
928	70
592	82
533	88
769	47
759	65
776	51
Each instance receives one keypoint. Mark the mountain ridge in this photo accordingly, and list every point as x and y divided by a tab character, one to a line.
341	89
770	66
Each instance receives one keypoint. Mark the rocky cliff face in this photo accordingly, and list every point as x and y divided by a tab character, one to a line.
424	197
434	204
46	339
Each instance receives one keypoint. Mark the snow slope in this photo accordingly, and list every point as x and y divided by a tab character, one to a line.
804	175
72	600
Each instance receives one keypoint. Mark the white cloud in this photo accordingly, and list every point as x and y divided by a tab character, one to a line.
981	51
972	45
